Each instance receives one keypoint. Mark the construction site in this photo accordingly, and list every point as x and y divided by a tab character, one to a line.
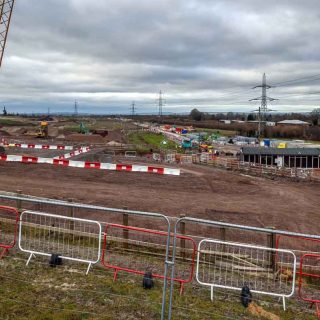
117	217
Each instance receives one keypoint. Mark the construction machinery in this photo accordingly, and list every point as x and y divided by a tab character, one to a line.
187	144
83	129
43	131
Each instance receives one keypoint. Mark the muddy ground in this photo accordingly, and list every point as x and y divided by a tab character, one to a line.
200	191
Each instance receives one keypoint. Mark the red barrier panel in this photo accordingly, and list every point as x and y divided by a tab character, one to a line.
307	245
9	221
144	234
313	298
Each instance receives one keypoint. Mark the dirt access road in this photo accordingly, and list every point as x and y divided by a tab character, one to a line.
200	191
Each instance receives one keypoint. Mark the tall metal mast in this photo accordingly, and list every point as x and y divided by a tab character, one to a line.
263	108
161	103
6	8
133	109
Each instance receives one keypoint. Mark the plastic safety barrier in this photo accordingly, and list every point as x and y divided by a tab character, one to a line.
38	146
91	165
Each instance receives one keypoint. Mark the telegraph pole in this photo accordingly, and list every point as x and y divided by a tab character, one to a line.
263	108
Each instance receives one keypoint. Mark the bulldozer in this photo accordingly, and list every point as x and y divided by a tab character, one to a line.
43	131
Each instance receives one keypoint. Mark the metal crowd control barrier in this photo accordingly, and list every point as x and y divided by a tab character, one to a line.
231	266
119	239
306	272
224	225
71	238
9	222
21	198
130	154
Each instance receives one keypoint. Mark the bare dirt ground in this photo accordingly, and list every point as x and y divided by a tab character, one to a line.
200	191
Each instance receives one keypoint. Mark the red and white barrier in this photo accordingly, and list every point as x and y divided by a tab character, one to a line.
91	165
74	153
37	146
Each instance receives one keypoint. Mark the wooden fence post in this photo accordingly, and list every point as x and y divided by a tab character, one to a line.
19	202
271	239
71	214
223	237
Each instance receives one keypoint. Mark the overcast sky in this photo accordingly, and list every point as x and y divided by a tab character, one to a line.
203	53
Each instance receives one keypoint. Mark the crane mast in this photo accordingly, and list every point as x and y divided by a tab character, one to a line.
6	7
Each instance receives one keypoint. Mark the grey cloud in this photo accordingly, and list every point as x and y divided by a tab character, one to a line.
58	49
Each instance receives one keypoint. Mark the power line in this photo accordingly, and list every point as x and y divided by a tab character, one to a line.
303	79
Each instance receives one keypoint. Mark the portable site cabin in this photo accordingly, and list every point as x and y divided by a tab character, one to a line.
307	158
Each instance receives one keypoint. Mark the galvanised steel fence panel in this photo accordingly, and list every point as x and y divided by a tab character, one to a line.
71	238
231	266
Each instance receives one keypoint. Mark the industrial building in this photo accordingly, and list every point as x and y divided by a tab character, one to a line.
307	158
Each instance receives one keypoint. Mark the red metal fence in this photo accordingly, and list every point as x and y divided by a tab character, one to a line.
309	279
129	249
9	221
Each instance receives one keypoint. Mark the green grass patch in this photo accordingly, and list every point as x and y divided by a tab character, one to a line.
7	122
147	140
65	292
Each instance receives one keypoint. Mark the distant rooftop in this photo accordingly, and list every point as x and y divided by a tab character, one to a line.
295	122
281	152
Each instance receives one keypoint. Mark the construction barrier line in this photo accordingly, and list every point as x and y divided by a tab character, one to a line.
37	146
74	153
91	165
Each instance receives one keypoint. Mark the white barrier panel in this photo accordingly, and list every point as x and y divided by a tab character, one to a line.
71	238
130	154
170	158
186	159
156	157
231	266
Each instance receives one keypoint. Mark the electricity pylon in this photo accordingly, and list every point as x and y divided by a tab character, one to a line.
133	109
161	103
263	108
6	8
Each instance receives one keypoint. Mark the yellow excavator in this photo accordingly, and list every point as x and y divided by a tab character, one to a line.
43	131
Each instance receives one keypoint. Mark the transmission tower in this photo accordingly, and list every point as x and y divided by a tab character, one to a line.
6	7
133	109
263	108
161	103
76	112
